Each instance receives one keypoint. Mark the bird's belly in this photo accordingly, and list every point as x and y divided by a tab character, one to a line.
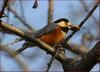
53	38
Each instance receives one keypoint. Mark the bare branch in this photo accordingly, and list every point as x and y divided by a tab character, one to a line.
22	10
35	4
32	39
87	9
86	63
37	34
77	49
17	58
84	20
21	19
80	25
50	12
5	4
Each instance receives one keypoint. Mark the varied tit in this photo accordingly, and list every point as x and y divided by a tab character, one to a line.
55	36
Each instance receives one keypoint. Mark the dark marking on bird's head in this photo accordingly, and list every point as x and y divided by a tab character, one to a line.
66	25
62	22
61	19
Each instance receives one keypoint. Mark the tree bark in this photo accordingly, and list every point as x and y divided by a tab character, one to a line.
86	63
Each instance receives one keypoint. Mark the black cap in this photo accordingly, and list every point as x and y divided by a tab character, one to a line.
61	19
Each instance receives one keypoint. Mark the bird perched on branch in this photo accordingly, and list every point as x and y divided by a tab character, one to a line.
52	34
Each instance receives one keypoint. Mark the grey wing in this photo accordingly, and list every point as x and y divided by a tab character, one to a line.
45	30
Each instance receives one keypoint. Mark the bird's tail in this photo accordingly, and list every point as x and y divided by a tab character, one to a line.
25	45
19	50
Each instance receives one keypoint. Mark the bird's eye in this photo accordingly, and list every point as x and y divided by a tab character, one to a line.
69	26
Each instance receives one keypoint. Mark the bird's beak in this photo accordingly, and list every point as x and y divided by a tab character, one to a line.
73	27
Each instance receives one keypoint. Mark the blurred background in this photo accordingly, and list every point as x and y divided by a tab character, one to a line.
36	59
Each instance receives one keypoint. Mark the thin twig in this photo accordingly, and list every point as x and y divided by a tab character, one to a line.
84	20
79	50
8	14
5	4
22	9
49	64
50	12
52	59
87	9
21	19
18	59
35	5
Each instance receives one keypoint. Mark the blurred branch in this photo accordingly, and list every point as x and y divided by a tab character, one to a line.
4	31
17	58
84	20
35	4
79	50
8	15
32	39
2	35
81	24
21	19
57	51
86	63
99	20
5	4
98	1
1	68
50	12
50	17
22	9
2	14
87	9
99	28
51	60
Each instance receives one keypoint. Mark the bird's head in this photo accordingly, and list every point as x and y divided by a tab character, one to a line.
66	25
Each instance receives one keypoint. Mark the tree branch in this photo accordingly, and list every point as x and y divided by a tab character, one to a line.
18	59
50	12
3	8
86	63
84	20
35	5
21	19
77	49
80	25
32	39
87	9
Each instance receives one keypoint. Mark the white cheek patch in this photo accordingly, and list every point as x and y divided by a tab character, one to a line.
62	24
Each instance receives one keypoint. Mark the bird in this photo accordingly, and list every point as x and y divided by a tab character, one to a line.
53	34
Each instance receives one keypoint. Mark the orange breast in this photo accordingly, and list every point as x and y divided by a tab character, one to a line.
53	37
